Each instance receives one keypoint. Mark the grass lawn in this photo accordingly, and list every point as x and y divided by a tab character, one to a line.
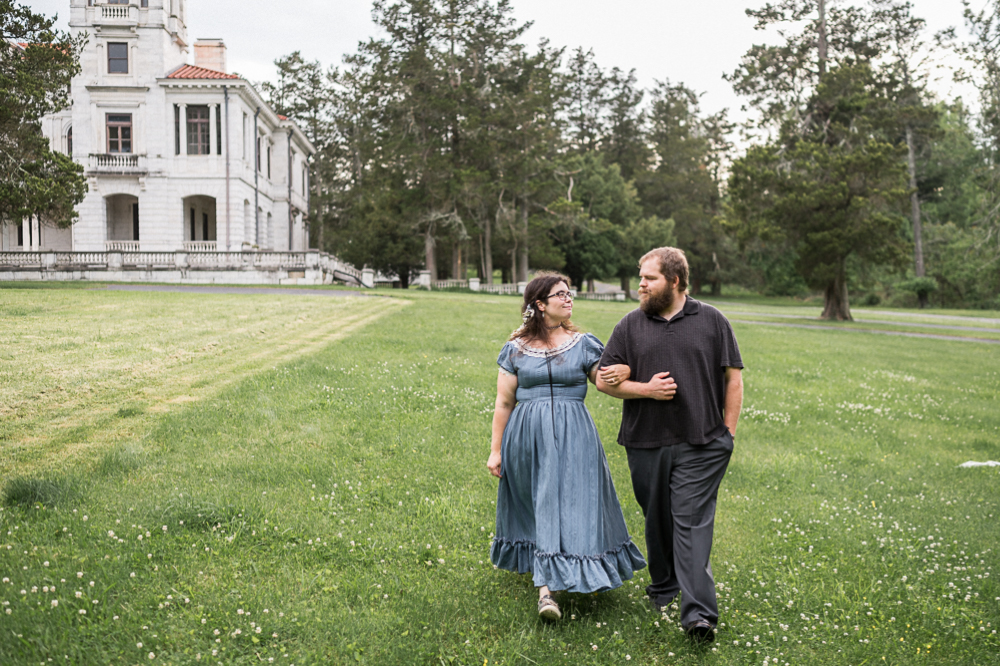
311	488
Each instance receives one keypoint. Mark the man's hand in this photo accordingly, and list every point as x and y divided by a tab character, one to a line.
661	387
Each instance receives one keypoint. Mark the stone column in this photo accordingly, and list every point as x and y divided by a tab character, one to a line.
473	284
425	279
368	278
521	286
213	146
183	128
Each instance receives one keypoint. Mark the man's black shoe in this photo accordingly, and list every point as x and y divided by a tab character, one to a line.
701	632
661	604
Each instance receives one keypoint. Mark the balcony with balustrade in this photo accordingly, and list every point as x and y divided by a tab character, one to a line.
117	164
113	14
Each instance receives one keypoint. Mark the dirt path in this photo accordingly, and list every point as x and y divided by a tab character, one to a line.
905	334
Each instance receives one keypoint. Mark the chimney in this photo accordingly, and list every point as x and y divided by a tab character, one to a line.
210	54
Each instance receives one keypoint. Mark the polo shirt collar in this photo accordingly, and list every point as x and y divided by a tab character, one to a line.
691	307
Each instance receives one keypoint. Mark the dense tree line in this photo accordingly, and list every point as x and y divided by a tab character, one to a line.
448	144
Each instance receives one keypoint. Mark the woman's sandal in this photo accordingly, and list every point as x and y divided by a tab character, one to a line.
548	609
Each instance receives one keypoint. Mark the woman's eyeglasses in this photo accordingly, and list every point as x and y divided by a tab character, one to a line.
561	295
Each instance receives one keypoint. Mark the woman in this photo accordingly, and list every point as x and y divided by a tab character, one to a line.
557	512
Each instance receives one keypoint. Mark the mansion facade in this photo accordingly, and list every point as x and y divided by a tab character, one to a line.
177	156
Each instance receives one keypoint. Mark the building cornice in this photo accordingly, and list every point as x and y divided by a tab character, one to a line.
117	89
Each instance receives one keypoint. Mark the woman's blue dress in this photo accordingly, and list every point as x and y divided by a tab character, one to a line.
557	512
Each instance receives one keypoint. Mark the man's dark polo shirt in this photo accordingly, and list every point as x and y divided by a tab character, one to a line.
695	347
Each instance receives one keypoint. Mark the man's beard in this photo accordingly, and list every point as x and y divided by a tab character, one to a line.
655	303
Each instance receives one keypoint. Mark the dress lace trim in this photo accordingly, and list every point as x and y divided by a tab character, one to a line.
542	353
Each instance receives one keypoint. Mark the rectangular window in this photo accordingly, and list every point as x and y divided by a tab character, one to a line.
192	225
69	142
244	136
197	130
117	58
257	147
204	226
144	4
119	132
20	235
269	161
218	130
135	221
305	176
177	129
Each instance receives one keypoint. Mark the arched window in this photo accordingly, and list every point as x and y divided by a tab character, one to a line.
69	141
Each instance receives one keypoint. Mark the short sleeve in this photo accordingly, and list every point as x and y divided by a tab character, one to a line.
730	350
592	350
506	361
616	353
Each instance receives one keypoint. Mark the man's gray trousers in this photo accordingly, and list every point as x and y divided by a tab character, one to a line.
677	487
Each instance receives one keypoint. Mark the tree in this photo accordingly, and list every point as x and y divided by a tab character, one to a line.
835	190
683	186
906	58
983	55
625	144
37	64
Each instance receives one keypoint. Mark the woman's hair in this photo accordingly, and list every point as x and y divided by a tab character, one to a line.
537	290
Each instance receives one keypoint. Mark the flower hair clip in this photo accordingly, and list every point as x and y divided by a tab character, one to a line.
529	312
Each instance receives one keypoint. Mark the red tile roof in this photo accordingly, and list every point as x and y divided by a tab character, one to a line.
194	72
281	117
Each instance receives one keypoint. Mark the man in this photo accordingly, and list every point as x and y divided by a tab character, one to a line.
679	420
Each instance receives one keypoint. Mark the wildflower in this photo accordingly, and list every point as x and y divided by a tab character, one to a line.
55	602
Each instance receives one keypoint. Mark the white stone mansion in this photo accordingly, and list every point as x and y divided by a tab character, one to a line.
178	156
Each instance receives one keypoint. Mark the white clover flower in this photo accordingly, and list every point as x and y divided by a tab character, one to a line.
138	645
55	602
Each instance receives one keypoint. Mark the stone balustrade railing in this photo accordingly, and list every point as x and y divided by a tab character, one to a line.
123	163
200	246
600	296
121	246
124	262
511	288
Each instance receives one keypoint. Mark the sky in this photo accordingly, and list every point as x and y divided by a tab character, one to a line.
685	41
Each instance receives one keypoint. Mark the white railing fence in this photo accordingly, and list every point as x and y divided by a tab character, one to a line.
121	246
200	246
312	265
115	11
504	288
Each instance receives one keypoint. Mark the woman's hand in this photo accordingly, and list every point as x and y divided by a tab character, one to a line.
493	464
614	375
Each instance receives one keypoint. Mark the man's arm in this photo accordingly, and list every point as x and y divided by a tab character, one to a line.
733	399
661	387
